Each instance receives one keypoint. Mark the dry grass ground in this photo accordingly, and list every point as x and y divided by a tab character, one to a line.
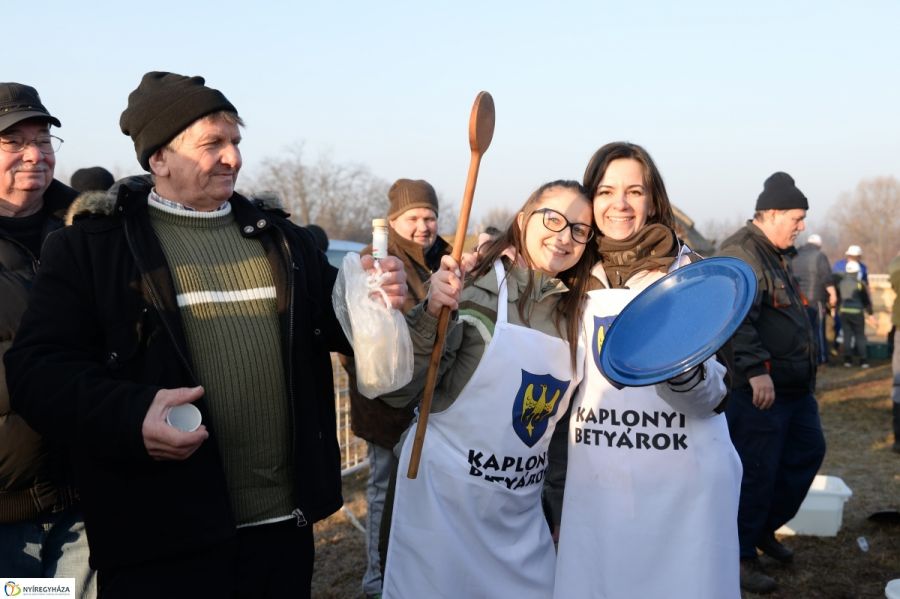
856	411
856	414
341	547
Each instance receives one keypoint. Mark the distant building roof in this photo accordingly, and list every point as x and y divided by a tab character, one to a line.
684	228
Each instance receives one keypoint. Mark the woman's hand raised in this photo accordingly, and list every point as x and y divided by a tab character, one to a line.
445	286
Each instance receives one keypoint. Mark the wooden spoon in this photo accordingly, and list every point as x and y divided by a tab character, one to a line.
481	132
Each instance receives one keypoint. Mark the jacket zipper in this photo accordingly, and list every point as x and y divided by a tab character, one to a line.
157	304
289	263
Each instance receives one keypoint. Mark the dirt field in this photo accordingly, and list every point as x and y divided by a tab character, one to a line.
856	413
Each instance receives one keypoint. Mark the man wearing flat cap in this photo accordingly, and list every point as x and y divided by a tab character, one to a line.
173	290
412	237
772	414
41	527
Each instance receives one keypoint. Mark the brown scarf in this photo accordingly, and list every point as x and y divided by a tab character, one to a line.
652	248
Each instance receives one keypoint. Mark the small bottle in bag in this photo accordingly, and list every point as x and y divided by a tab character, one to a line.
379	238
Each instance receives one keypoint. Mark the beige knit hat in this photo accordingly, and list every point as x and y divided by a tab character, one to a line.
406	194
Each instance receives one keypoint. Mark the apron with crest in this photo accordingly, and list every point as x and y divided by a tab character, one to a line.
471	525
651	495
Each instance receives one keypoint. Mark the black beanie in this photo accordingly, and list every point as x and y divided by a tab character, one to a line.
95	178
164	105
780	193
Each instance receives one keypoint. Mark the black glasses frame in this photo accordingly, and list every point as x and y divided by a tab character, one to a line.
578	235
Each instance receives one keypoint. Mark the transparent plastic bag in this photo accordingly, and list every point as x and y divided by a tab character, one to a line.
382	349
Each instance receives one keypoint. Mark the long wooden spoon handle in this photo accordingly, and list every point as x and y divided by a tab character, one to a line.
481	132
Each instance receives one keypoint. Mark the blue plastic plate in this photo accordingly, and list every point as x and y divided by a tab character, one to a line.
678	322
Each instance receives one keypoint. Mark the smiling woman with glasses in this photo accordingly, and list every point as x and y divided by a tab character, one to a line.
510	365
15	143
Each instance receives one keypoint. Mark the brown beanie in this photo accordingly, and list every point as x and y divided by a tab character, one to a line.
780	193
406	194
164	105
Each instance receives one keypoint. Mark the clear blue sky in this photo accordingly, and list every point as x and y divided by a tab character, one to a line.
722	94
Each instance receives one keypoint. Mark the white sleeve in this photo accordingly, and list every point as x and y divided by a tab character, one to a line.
696	399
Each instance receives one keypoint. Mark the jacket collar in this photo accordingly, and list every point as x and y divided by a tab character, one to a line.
756	231
517	280
57	198
128	196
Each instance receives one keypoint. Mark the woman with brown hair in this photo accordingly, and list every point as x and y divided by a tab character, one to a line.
652	483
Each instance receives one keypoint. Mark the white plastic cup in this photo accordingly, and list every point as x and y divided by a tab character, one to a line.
185	417
892	590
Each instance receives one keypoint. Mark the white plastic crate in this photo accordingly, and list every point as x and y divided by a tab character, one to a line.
822	511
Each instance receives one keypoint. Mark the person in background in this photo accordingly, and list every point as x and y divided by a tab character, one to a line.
649	507
853	305
813	273
319	235
489	234
894	274
471	524
174	289
94	178
773	416
412	237
853	254
42	531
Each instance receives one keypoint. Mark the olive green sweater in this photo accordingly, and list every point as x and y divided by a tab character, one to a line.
227	298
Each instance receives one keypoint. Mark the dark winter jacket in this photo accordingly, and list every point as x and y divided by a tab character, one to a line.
34	474
776	338
854	294
813	273
372	419
103	333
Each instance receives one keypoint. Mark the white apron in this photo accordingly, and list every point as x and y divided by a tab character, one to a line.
471	525
650	504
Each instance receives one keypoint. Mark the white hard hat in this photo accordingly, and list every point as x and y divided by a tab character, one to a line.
814	239
854	250
852	267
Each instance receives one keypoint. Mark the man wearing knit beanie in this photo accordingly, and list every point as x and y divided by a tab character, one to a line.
412	237
772	413
180	294
413	211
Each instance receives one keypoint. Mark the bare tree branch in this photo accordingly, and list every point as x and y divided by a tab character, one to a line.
342	199
870	218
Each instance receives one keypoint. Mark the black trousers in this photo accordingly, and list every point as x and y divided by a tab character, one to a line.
272	560
781	450
854	336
